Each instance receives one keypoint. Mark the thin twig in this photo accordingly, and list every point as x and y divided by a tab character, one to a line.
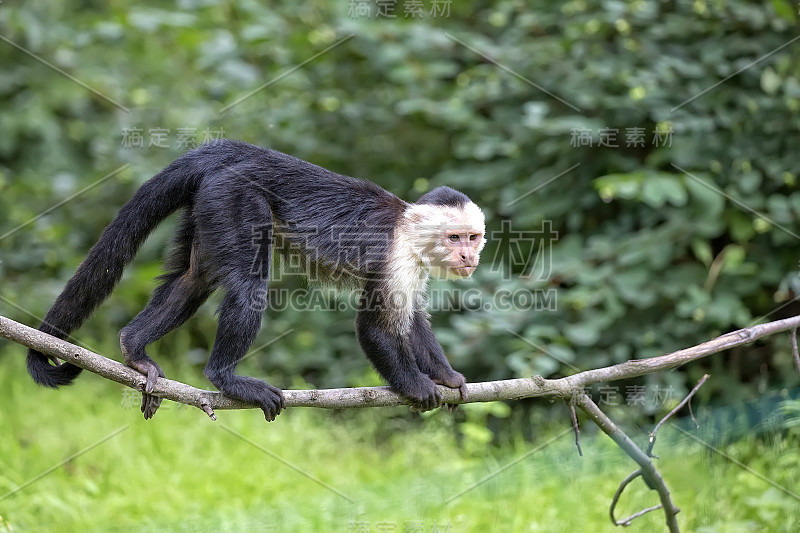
576	427
669	415
625	522
615	500
793	342
691	415
650	475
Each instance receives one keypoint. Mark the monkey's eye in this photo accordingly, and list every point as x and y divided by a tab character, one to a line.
453	238
474	236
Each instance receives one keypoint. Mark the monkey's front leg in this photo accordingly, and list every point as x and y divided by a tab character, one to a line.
395	363
431	358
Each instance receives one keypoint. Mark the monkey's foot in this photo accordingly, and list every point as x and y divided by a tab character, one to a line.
454	381
150	405
254	390
152	371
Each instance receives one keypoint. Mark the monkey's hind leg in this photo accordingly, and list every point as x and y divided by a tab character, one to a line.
239	322
170	306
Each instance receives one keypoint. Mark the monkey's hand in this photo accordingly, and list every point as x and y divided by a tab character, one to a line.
454	381
272	401
422	392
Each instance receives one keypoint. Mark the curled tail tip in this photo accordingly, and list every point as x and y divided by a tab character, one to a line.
47	375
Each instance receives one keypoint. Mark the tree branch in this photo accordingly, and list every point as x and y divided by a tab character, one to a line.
671	509
510	389
671	413
576	428
647	469
793	343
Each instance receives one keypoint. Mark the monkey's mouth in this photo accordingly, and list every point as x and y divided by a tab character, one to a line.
464	271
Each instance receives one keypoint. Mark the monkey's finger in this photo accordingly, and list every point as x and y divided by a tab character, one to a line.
434	401
277	401
152	375
271	408
153	406
420	407
150	405
463	390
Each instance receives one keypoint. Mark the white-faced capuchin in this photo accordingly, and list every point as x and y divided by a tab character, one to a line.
348	231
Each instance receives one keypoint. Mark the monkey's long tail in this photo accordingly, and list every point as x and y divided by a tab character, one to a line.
167	191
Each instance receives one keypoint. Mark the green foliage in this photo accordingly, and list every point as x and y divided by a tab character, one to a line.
183	472
791	411
475	430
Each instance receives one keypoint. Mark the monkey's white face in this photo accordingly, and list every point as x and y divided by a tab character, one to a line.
447	240
463	247
433	240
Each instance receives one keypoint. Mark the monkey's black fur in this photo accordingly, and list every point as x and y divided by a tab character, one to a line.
444	196
343	226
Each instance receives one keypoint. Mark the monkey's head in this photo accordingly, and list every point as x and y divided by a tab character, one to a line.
446	231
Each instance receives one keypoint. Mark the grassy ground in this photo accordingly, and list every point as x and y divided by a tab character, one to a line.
323	471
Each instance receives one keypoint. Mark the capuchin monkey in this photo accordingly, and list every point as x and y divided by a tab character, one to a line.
349	232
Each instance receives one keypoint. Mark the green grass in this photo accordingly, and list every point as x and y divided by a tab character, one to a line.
322	471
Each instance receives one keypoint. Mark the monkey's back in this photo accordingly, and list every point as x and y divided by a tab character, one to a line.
335	227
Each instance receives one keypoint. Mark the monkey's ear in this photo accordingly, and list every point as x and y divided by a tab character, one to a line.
415	216
424	215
